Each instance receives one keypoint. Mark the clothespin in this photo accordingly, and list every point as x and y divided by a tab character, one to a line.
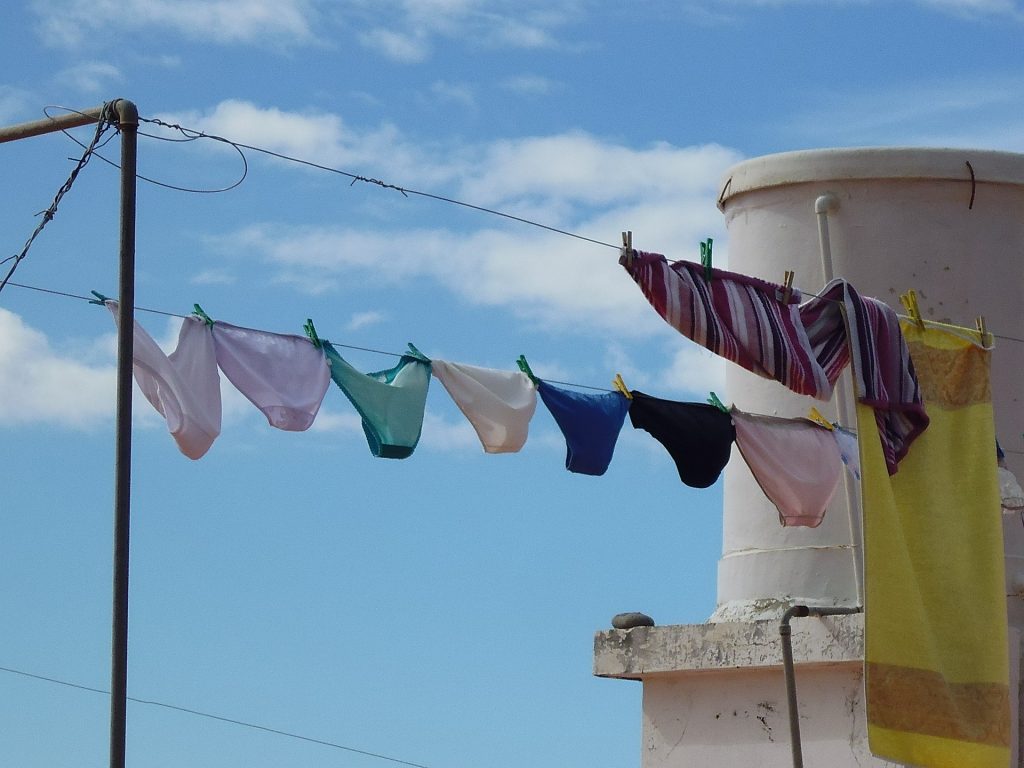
417	354
310	330
982	330
627	247
525	368
815	415
620	386
705	258
100	298
787	286
909	302
713	400
198	312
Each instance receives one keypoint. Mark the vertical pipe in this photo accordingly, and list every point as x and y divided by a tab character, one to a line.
128	122
822	206
785	635
786	638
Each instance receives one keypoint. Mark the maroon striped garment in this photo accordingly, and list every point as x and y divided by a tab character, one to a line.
745	320
740	318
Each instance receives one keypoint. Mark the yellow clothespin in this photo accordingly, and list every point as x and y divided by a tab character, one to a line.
815	415
620	386
787	286
909	302
982	330
627	247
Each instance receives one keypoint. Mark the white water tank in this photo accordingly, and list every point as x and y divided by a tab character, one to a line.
946	222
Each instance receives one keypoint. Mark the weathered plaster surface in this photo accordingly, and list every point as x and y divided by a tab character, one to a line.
643	652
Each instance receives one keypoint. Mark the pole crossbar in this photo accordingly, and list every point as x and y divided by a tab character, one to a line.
53	124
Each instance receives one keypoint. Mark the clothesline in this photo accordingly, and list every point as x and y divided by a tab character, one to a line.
166	313
287	376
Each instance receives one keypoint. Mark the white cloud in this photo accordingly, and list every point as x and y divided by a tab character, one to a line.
981	113
455	93
91	76
582	167
319	137
977	8
398	46
440	434
573	181
347	422
274	22
36	381
364	320
213	277
693	370
410	27
13	103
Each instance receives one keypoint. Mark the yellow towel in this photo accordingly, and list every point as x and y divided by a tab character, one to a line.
936	664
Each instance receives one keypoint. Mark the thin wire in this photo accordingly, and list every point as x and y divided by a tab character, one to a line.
156	182
192	133
210	716
102	124
93	300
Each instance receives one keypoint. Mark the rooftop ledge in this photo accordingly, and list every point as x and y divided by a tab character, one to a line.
642	652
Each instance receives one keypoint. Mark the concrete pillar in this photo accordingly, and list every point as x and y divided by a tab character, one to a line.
901	219
947	223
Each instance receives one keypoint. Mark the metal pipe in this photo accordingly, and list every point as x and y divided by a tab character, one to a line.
51	124
127	117
128	123
823	205
785	635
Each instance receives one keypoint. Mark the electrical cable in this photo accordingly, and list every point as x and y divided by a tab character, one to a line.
191	133
222	719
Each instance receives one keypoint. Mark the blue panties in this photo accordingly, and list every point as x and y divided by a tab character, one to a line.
590	423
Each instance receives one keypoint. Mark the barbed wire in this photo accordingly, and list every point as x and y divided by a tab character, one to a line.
105	121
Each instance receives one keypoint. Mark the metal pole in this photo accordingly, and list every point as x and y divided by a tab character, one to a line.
822	206
128	121
51	124
127	117
785	635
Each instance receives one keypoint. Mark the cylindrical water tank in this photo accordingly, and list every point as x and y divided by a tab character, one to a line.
948	223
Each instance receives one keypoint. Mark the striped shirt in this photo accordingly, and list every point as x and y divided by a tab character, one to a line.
805	348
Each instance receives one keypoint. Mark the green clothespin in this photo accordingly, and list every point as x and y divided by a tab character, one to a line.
705	258
417	354
713	400
100	298
525	368
198	312
310	330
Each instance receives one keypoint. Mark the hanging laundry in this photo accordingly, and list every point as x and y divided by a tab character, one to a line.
849	451
745	320
391	402
697	436
843	327
936	667
741	318
1010	493
184	386
590	423
285	376
795	461
499	404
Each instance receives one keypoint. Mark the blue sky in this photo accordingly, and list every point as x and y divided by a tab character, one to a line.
439	609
